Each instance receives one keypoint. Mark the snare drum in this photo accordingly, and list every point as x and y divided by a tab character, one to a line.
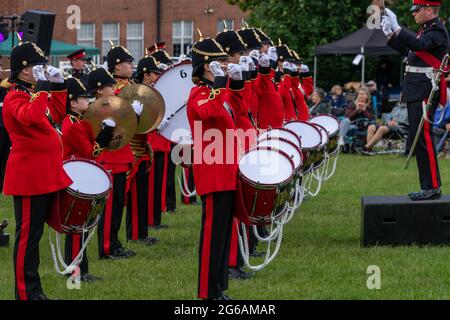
331	124
286	146
265	175
78	206
310	139
280	133
323	146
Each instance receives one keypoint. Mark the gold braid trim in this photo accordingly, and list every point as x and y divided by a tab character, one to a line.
97	150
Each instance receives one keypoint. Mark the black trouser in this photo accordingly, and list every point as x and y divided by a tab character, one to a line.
157	172
30	213
188	172
171	195
5	146
425	152
214	249
109	224
235	259
137	206
74	242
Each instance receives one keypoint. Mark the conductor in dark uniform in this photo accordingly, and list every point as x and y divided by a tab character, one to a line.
424	51
78	63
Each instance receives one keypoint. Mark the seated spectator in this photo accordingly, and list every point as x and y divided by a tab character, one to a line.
359	109
395	122
319	106
441	127
337	101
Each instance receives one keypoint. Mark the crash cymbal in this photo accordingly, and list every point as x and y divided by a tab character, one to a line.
121	112
154	106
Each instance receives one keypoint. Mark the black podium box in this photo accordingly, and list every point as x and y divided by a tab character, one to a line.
396	220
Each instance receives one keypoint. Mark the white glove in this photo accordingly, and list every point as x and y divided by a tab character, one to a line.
264	61
137	107
393	19
234	72
273	54
109	122
251	64
386	26
289	66
304	68
163	66
254	54
163	124
244	63
216	69
54	75
39	73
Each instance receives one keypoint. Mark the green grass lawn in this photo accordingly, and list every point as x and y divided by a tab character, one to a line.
320	258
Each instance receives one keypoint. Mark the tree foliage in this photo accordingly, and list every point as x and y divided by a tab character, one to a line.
305	24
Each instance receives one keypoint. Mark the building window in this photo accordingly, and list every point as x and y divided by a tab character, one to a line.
135	39
110	31
182	37
221	27
86	35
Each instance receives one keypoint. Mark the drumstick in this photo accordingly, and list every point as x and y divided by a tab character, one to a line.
178	110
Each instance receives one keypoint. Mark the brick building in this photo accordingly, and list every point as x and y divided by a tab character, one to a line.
134	23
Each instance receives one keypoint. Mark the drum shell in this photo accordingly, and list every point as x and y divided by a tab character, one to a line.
265	202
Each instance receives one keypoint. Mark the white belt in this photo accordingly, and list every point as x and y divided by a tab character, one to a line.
419	69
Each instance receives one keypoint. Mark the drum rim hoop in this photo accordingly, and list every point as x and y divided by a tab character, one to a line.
290	143
285	129
311	125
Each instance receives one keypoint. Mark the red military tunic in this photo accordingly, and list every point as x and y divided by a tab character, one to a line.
209	108
121	160
78	138
35	164
300	100
285	89
270	104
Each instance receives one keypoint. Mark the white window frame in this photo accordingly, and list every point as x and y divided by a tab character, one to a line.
93	34
141	38
182	37
112	39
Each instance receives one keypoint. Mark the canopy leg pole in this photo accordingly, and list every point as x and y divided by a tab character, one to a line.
315	71
363	67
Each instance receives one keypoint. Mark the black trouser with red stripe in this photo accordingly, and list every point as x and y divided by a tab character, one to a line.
109	224
235	259
155	189
137	206
74	242
214	249
171	195
188	173
425	152
5	146
30	213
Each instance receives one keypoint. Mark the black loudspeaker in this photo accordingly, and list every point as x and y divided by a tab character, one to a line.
396	220
38	28
4	240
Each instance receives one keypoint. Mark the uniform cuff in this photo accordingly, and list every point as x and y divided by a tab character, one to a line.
306	74
43	86
237	85
246	75
220	82
264	70
59	86
273	64
278	76
254	74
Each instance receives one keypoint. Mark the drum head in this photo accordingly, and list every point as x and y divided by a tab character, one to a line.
284	145
88	178
310	137
323	133
265	166
331	124
280	133
175	85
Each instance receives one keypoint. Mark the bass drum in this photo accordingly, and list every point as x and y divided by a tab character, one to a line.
175	85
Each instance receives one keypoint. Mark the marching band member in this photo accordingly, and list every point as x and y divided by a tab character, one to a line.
79	141
78	63
168	193
34	172
139	203
101	84
234	46
209	108
284	80
301	90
